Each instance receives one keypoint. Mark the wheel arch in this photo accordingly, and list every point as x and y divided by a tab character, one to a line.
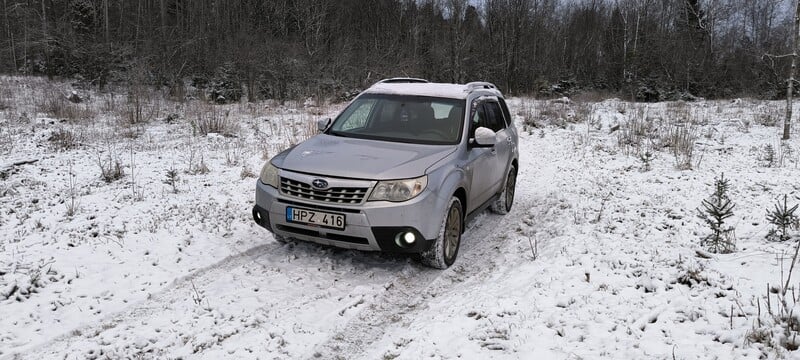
454	184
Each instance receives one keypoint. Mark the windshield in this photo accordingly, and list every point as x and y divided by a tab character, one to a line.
411	119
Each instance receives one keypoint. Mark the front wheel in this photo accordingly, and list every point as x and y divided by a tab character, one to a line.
503	204
444	250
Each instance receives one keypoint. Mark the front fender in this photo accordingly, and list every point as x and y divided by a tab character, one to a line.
451	180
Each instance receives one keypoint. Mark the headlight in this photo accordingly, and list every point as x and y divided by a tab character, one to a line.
399	190
269	175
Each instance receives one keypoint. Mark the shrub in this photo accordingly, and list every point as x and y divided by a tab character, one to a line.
110	167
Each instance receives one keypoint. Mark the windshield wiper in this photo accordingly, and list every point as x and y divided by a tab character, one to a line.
339	133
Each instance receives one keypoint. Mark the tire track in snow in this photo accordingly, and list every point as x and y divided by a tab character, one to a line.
406	295
264	265
180	285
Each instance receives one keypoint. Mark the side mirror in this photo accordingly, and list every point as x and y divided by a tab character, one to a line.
322	124
484	137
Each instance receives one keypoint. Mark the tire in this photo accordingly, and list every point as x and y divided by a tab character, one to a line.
503	204
444	250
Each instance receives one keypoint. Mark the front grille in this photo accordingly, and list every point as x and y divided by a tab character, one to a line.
341	195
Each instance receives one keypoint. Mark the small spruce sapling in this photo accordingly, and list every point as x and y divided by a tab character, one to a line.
646	158
172	179
714	211
783	218
769	156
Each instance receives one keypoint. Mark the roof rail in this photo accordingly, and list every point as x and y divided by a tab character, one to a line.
480	85
398	80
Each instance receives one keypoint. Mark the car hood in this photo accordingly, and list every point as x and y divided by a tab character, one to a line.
360	158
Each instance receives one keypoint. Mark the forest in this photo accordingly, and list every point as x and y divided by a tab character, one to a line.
644	50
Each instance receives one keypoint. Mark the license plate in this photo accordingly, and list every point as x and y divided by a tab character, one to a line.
314	218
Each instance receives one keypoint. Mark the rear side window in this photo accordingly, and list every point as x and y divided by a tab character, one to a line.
506	113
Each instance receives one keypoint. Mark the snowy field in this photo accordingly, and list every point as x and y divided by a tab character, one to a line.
126	232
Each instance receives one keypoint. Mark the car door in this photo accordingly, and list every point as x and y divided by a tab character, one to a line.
480	161
502	149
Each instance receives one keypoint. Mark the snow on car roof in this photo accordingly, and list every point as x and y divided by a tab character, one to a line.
453	91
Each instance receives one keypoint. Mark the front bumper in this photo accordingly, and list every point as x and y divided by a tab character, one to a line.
370	226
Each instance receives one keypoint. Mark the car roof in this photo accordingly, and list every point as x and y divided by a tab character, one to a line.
443	90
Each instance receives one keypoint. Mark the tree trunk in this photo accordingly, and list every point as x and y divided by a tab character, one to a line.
790	86
106	31
162	7
46	43
11	37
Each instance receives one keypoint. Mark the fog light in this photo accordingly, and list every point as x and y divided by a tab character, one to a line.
405	239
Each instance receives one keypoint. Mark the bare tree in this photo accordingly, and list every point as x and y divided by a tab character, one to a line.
793	70
10	34
652	49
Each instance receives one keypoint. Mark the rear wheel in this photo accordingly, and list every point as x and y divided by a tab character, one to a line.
503	204
444	250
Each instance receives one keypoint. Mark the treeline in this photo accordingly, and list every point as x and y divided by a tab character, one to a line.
643	49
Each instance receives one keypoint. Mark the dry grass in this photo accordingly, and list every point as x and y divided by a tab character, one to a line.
110	166
593	96
141	106
54	103
207	119
681	140
64	139
6	95
644	133
527	111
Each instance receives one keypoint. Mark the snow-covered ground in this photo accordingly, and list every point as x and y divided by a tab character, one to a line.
598	258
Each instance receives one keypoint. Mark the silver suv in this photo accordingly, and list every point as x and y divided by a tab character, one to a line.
401	169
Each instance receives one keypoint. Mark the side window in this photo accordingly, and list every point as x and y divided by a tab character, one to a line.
506	113
478	118
495	119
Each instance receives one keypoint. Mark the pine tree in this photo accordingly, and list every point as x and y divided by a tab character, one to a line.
715	210
784	218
